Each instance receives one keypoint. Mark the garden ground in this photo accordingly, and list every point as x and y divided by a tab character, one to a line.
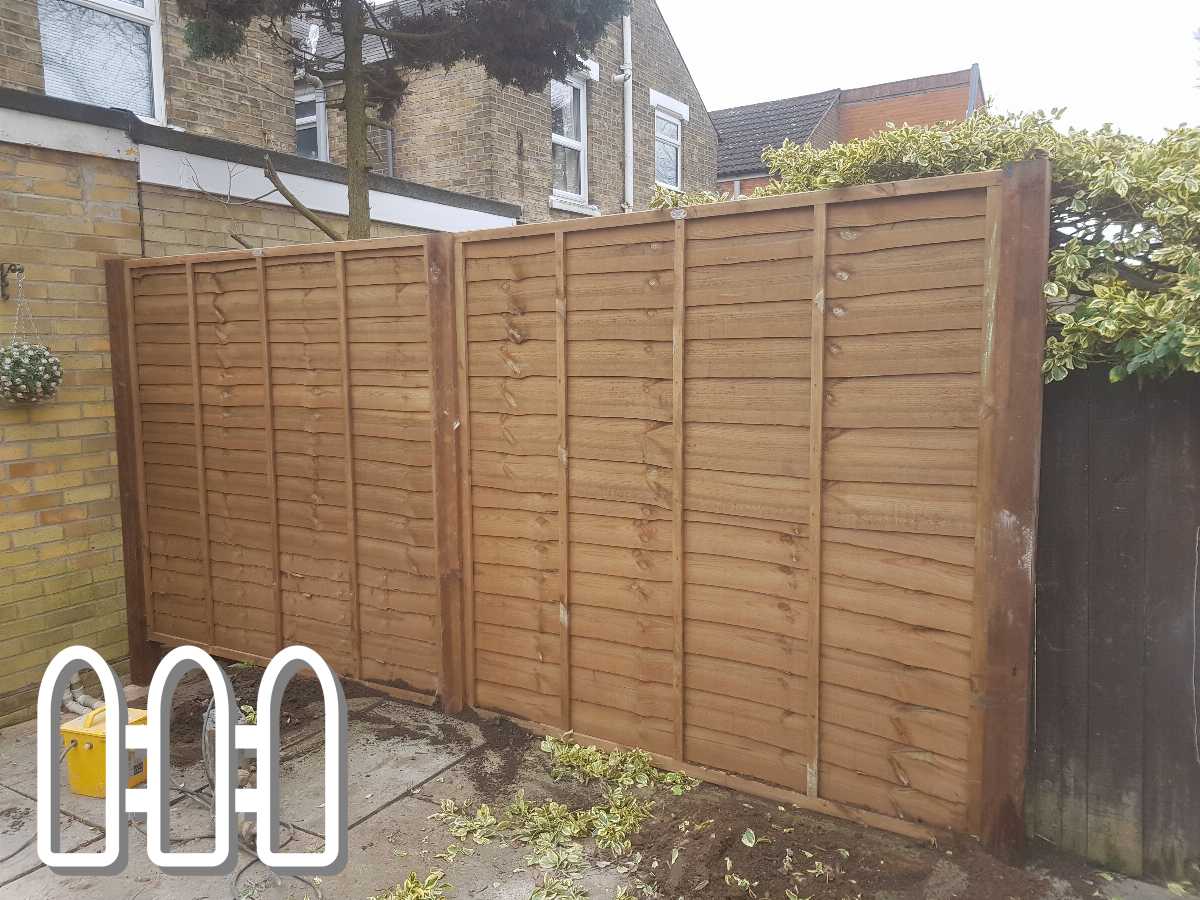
406	761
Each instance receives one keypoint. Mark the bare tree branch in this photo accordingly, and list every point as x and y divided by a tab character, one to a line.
241	240
273	177
227	198
389	34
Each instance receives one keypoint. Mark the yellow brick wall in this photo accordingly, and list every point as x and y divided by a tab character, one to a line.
61	215
61	578
179	221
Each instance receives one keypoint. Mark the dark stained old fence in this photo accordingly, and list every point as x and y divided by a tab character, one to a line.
1115	764
752	486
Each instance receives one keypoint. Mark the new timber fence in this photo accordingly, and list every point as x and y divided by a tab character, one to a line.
751	485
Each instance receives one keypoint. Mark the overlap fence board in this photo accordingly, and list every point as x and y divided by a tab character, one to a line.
779	415
750	486
284	424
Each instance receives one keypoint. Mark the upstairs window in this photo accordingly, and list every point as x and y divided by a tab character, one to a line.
312	127
668	142
669	117
382	153
568	136
104	53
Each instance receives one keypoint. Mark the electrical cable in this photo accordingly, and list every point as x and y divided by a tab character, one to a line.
207	750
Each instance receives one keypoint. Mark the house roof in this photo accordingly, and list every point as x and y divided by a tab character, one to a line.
329	44
745	130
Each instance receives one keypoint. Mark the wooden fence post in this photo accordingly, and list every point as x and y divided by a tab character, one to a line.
466	542
1006	497
816	486
678	472
564	479
269	444
443	369
351	493
144	654
201	464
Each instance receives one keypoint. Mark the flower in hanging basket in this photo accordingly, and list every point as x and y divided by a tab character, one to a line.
29	373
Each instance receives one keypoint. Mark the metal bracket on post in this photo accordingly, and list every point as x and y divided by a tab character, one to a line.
7	269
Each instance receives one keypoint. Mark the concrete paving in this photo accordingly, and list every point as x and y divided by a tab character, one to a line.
403	759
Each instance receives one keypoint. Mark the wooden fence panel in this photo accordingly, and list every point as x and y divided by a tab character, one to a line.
725	500
283	431
1115	769
751	486
746	586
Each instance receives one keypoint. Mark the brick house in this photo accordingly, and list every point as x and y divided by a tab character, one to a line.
114	142
557	154
833	116
81	182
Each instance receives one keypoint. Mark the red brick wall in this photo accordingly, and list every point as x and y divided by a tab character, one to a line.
746	187
866	117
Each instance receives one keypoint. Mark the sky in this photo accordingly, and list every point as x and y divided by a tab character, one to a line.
1132	63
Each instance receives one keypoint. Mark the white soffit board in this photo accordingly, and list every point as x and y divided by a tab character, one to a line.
49	133
173	168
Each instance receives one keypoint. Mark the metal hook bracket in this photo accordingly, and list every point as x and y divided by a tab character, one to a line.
7	269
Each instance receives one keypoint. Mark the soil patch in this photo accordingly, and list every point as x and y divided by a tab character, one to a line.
302	705
726	845
495	770
447	733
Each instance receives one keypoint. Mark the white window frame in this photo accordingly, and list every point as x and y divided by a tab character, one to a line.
677	144
671	110
390	162
578	82
319	118
149	16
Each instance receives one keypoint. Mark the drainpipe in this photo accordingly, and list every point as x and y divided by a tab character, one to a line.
973	98
626	76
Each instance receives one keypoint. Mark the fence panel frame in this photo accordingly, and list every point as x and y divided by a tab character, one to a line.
1009	468
147	643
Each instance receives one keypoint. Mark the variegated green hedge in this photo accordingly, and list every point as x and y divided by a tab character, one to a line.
1124	287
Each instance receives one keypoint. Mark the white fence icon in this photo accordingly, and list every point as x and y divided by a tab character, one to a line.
153	800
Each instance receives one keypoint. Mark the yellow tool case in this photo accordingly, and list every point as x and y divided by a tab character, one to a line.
85	761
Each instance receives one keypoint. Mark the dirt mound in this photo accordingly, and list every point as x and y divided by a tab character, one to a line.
714	843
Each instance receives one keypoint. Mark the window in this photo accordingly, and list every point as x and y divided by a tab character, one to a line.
668	140
669	116
105	53
382	152
312	127
568	118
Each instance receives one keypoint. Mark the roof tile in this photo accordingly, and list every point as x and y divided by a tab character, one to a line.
745	130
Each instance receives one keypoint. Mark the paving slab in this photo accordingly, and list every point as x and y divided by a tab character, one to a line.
391	749
402	839
191	830
18	823
494	776
18	752
403	759
141	881
1121	888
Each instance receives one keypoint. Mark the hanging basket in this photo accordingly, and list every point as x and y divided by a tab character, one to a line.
29	373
